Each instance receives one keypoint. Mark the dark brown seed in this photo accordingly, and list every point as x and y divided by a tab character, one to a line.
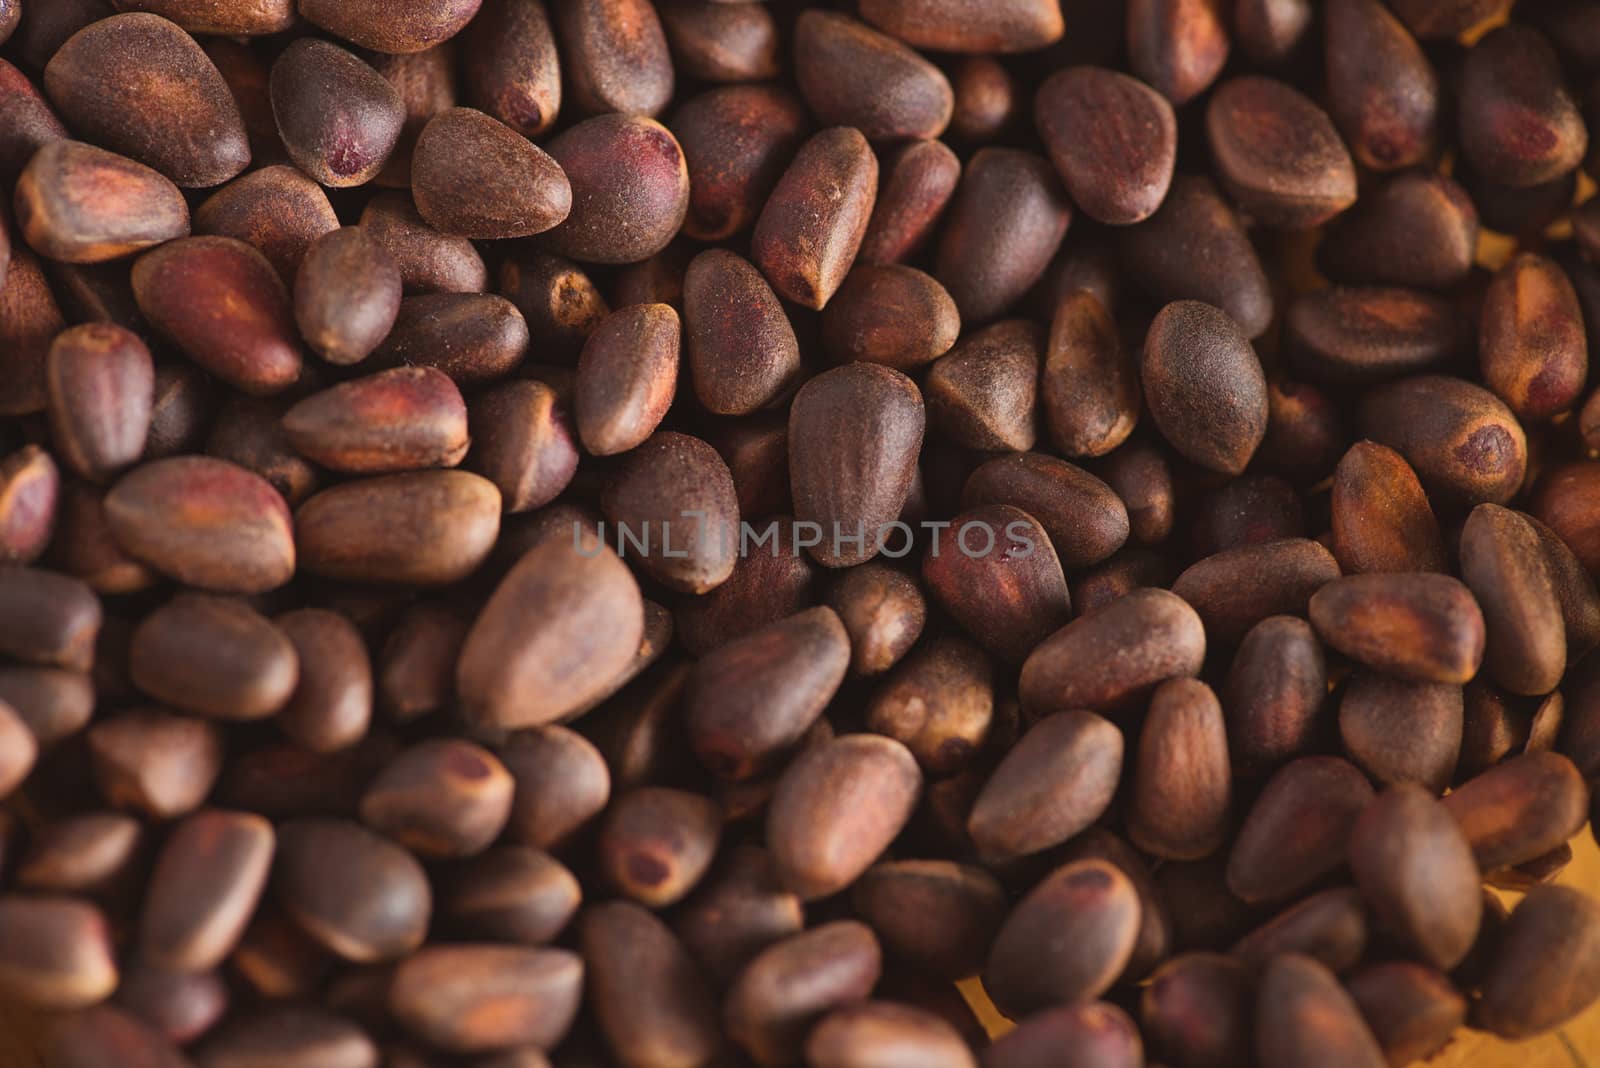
1421	627
855	433
630	189
441	799
58	953
742	349
289	1034
1056	781
1277	153
967	25
1297	830
852	75
482	998
81	204
988	100
1249	511
1417	229
675	490
614	56
513	894
1274	695
1447	18
1112	139
180	1006
100	381
936	913
30	497
757	453
655	844
1099	1034
278	960
652	1004
857	1036
722	42
475	177
981	393
1413	1011
105	1036
1181	795
1090	389
1504	564
883	611
1382	91
1381	517
523	663
248	432
339	118
346	295
181	411
627	377
1531	345
1272	32
400	420
355	892
1115	655
19	749
1520	809
27	121
213	656
1005	223
1330	927
421	528
1365	335
894	315
1305	1019
1545	965
788	670
92	854
795	982
1066	942
523	442
1398	731
836	808
515	73
1142	477
999	578
277	210
332	702
256	18
205	886
1416	870
247	75
1190	245
918	181
939	703
204	522
736	142
812	225
1234	590
1518	124
255	347
47	618
1565	501
417	666
429	261
769	582
1178	46
140	86
1204	386
1197	1011
160	765
385	27
562	781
